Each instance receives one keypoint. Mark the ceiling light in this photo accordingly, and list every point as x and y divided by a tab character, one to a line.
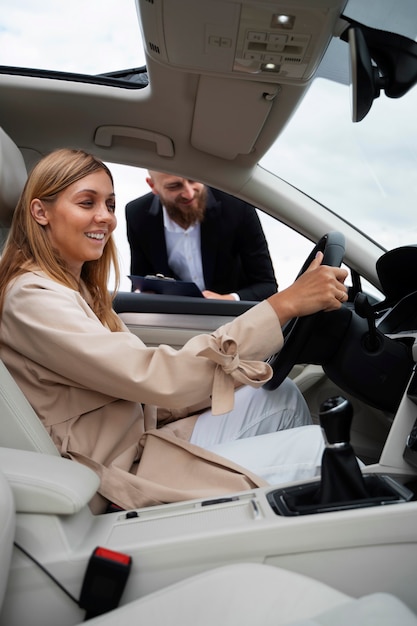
270	67
282	20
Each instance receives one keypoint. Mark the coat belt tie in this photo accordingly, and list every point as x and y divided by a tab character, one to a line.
231	369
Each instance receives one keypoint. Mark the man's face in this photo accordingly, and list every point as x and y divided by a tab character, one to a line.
184	199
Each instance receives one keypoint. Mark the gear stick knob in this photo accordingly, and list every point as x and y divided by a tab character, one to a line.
336	419
341	477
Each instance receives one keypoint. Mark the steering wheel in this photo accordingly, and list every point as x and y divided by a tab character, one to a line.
297	330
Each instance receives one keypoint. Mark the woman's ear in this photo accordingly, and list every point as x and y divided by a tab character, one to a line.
38	212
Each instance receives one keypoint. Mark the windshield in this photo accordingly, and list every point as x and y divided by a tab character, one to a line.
364	171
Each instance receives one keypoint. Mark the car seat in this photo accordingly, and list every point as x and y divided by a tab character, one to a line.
19	425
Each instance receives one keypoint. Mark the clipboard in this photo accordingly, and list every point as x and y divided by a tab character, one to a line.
166	286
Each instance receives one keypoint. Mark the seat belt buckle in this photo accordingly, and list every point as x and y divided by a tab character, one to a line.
104	581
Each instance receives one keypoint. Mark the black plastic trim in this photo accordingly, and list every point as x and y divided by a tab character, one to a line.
129	302
100	79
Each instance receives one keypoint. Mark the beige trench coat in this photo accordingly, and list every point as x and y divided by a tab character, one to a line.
96	392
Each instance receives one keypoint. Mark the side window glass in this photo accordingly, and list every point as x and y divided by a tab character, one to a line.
288	249
129	183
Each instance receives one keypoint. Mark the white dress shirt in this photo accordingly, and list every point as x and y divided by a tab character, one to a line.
184	251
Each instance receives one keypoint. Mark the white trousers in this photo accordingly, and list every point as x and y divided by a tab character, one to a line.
268	432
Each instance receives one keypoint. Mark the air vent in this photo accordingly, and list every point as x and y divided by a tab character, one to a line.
292	60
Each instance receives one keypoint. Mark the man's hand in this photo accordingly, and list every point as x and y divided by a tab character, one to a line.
212	295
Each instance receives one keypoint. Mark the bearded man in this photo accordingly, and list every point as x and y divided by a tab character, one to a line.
186	230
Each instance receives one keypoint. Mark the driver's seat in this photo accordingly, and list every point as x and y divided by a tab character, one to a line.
20	427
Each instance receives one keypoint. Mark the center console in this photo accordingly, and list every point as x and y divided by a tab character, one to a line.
342	485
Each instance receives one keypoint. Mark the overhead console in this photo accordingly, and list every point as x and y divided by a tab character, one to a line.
274	41
270	48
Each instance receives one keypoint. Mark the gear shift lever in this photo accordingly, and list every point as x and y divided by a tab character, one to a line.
336	419
341	477
342	485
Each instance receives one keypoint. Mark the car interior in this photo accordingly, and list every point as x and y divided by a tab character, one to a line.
221	82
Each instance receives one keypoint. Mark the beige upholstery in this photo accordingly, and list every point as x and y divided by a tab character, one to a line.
12	177
377	609
20	427
47	484
249	594
7	529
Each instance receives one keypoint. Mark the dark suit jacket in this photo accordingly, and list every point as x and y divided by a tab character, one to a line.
234	251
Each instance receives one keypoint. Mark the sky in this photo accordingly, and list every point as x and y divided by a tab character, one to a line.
364	171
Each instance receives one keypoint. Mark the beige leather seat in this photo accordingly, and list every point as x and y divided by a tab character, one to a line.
258	595
19	425
7	529
250	594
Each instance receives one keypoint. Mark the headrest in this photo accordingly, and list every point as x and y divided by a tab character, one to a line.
13	176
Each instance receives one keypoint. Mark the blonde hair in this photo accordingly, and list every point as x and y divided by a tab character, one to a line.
28	245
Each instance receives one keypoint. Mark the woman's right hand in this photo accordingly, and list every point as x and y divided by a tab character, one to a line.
319	288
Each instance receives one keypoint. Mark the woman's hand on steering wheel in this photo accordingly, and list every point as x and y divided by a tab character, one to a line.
318	287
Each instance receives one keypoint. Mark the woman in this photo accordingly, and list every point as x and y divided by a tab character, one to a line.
95	386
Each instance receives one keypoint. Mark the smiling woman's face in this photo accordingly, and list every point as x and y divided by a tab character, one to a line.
80	221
